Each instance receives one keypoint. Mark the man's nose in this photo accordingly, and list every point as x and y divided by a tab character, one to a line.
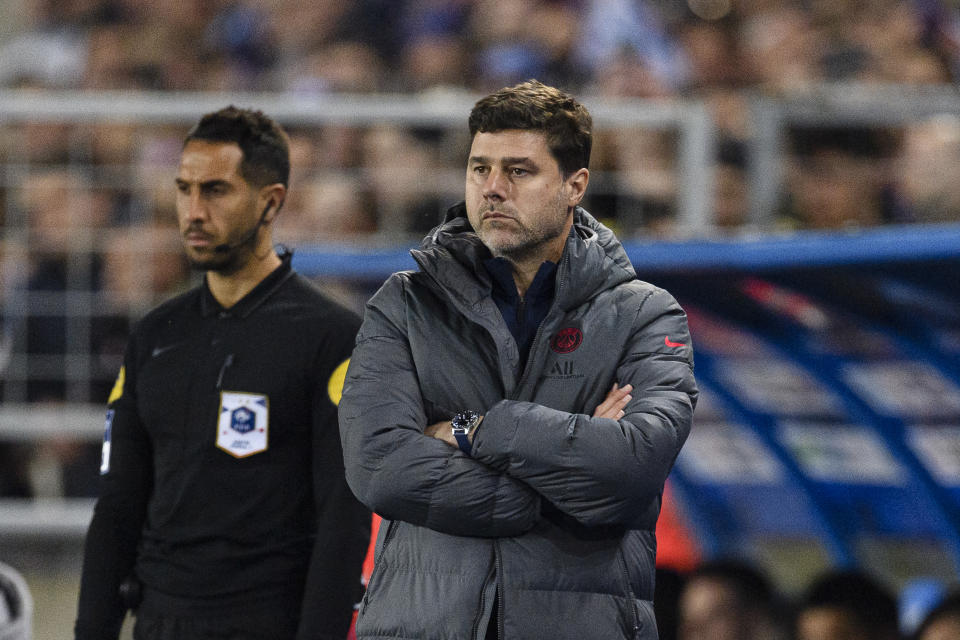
496	185
195	209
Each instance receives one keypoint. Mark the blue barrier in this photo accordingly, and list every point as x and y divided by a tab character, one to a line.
830	363
803	249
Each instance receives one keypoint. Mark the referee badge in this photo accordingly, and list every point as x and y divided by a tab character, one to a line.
243	425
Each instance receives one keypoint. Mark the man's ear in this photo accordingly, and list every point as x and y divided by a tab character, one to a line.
273	197
576	186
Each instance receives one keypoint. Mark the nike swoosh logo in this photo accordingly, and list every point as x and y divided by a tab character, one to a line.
670	343
159	350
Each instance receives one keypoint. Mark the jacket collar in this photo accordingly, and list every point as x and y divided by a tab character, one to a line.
593	259
257	296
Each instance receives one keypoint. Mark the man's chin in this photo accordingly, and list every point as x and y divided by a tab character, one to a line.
510	250
209	261
501	247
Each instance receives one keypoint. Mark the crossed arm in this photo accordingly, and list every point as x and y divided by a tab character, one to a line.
601	469
612	407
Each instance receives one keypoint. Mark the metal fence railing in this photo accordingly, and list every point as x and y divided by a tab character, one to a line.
87	244
86	181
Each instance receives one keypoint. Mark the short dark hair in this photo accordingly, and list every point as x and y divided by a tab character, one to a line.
265	145
865	598
532	105
751	586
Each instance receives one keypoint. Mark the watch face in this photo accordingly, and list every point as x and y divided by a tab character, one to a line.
462	424
464	419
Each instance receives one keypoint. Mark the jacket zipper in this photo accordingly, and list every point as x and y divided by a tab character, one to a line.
483	601
378	562
536	338
630	594
498	594
515	396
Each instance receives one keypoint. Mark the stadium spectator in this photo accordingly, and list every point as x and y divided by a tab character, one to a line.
405	192
930	145
830	189
329	207
730	600
337	67
42	49
647	162
434	52
731	194
141	264
840	177
505	47
616	30
53	347
846	605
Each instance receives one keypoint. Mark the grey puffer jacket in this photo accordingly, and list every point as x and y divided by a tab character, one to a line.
555	512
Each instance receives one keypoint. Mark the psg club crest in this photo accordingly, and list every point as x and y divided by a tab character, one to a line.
243	426
566	340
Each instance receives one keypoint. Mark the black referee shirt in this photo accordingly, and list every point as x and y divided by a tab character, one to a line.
222	484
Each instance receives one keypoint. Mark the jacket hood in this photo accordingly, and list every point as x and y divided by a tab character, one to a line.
593	259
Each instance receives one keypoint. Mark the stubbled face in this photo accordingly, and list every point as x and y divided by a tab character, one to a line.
517	199
216	207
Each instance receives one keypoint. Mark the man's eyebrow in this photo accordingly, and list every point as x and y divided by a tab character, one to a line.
506	160
203	184
216	182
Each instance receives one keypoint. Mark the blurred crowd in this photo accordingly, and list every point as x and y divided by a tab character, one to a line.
86	208
736	600
624	47
718	51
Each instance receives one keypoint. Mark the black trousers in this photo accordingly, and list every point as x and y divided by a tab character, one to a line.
163	617
273	625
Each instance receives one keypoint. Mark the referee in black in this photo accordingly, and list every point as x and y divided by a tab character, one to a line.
223	510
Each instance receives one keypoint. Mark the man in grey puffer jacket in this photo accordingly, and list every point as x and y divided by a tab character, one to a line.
513	408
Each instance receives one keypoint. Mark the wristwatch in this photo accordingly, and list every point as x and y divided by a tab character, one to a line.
463	424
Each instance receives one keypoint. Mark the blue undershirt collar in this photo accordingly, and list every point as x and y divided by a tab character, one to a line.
522	315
